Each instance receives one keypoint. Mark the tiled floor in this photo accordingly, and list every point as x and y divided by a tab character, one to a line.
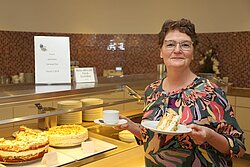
241	163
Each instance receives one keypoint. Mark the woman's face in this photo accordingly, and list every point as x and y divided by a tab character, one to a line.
177	50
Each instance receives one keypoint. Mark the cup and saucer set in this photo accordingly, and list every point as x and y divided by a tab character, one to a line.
110	118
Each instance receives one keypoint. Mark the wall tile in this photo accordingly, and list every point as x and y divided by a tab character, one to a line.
141	53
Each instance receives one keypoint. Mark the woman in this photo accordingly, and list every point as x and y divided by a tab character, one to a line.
215	137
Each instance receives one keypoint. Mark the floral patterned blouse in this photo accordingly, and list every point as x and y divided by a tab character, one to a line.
203	103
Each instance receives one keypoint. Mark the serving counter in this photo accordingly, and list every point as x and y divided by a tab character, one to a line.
23	92
121	93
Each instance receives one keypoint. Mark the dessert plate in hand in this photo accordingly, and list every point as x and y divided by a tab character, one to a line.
152	126
101	122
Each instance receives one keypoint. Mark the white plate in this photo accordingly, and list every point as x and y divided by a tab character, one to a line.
152	126
101	122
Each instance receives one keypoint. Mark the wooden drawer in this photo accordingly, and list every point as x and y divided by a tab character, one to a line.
242	116
243	101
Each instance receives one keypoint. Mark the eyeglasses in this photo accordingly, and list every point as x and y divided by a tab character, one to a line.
184	45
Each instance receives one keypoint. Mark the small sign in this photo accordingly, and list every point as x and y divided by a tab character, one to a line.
50	159
52	60
86	74
88	147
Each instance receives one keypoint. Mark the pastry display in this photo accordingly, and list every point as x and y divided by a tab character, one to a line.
28	145
169	122
67	135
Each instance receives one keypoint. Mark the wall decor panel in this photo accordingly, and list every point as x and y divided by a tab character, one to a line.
141	54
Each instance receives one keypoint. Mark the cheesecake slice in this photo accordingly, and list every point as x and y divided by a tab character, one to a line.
169	122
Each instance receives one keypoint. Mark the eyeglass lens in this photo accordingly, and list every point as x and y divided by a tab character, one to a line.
171	44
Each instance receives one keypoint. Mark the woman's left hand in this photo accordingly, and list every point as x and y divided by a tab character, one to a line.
199	134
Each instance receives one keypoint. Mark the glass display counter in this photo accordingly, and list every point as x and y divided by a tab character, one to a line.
17	107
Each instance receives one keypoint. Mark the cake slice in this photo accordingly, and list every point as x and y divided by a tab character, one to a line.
169	122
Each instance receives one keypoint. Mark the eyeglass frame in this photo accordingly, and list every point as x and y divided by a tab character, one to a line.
180	45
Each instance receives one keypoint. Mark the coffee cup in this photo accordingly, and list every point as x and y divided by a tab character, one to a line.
111	116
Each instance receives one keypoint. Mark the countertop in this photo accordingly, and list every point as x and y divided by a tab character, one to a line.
25	92
22	92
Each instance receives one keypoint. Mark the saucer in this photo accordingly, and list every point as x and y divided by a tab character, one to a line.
101	122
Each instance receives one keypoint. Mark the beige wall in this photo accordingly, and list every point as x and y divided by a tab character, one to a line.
121	16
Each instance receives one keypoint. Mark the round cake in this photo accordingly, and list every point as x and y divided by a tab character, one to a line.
28	145
67	135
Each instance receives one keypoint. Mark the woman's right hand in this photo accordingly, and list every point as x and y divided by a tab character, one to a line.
130	125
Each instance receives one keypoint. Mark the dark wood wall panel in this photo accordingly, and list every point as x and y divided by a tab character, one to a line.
141	53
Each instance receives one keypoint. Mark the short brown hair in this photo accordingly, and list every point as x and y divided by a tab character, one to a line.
183	25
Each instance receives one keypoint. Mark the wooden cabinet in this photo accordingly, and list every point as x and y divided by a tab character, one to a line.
243	116
243	101
242	107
